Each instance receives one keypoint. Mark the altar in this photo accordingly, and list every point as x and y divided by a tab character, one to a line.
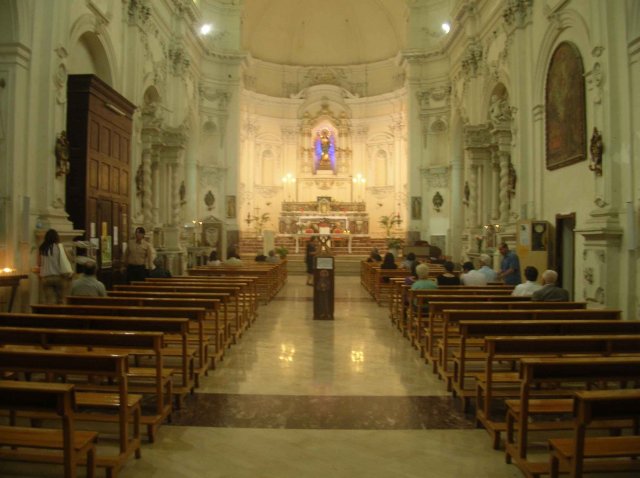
323	217
305	237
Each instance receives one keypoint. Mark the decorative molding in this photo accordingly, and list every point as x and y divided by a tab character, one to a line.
595	79
517	12
472	59
178	59
436	176
267	192
219	97
381	192
476	136
138	12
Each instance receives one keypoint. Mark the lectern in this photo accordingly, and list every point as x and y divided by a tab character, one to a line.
323	286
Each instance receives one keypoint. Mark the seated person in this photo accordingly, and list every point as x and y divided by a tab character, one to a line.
261	258
530	286
272	258
472	277
389	262
410	279
485	268
423	283
550	292
159	270
213	259
374	256
408	261
87	284
448	277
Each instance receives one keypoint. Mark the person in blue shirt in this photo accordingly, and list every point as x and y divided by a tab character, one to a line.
510	266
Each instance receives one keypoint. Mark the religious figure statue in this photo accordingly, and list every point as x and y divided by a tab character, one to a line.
140	182
323	149
595	148
62	155
499	110
467	193
183	193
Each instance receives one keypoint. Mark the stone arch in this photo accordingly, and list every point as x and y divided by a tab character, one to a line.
91	52
569	26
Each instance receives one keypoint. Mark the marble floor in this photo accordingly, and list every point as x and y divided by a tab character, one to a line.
305	399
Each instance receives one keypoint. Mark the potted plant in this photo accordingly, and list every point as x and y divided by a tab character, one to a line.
394	244
389	222
282	251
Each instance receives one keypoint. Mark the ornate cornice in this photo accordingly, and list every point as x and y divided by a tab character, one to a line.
517	12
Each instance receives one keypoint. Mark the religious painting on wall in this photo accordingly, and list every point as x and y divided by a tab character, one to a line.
416	207
565	108
231	207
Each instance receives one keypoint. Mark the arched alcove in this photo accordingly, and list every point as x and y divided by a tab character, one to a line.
88	56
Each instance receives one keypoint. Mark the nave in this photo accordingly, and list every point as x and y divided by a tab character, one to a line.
303	398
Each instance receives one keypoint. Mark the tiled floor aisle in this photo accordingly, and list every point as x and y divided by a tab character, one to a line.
302	398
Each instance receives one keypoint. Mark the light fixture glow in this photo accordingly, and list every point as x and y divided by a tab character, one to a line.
206	29
446	28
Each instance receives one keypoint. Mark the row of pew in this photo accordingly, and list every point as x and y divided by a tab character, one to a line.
556	384
127	360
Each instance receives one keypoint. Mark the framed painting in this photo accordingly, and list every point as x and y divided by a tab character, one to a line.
231	207
565	108
416	208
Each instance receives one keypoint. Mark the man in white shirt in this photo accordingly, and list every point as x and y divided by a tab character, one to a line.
530	286
470	276
485	268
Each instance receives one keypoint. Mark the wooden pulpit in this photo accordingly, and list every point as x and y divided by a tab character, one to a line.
323	286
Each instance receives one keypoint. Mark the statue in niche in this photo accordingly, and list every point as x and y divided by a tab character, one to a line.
62	155
595	148
140	182
183	193
325	149
499	111
467	193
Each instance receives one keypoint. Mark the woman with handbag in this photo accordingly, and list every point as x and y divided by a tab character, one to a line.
54	267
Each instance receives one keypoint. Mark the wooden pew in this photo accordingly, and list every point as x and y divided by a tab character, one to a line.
60	445
424	313
558	377
580	453
169	326
224	297
500	347
451	319
212	326
196	316
248	292
267	276
147	344
109	367
241	307
382	283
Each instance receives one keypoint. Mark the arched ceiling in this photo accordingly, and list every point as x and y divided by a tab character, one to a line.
325	32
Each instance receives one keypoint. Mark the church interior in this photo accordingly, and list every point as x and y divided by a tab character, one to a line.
257	124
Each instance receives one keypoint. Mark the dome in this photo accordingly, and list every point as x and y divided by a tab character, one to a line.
330	32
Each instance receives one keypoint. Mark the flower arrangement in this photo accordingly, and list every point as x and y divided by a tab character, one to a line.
282	251
395	243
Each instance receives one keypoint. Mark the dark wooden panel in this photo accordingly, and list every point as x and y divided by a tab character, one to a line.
104	177
115	146
94	166
105	139
115	180
94	135
124	182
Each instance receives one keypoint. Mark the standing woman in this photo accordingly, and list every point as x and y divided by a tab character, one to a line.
309	254
54	267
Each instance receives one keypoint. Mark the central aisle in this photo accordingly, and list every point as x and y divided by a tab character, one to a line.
303	398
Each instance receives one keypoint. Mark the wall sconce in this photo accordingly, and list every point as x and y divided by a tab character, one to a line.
438	201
